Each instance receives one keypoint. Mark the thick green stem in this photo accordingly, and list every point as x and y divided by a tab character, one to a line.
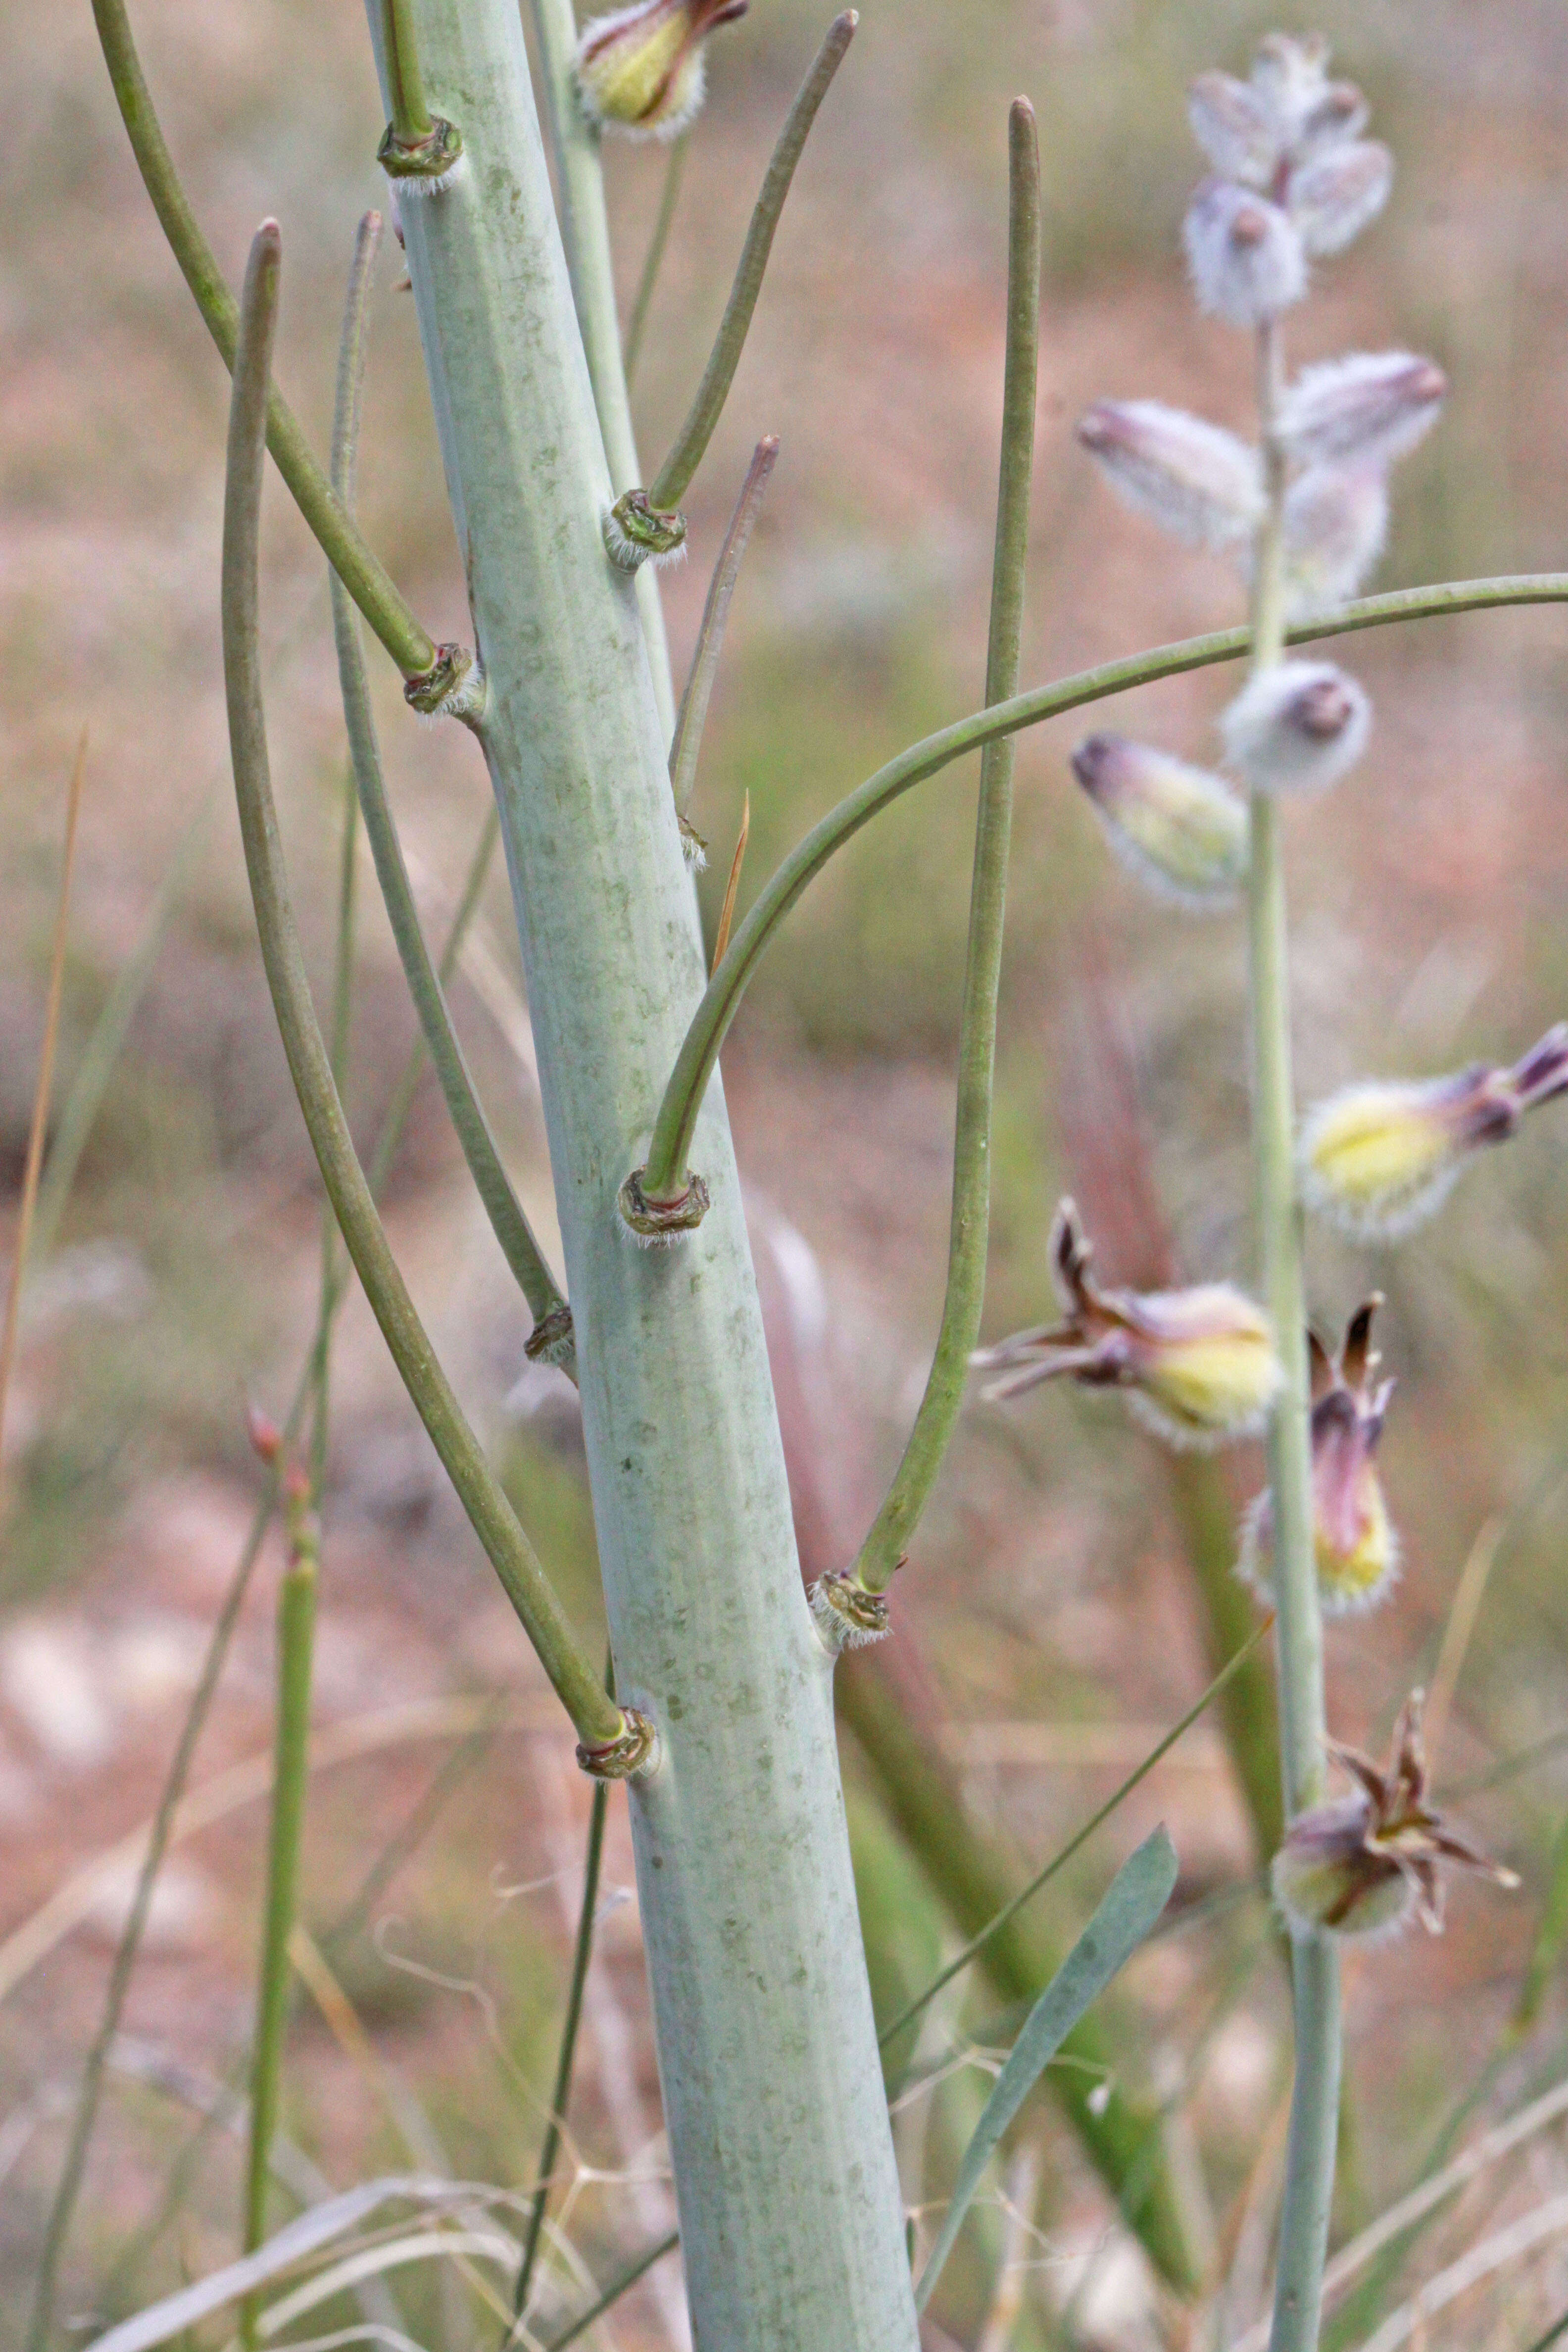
291	1754
1314	2113
884	1548
663	223
596	1718
700	1049
586	227
366	579
691	442
790	2215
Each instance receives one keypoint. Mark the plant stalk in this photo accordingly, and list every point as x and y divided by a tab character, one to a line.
700	1047
665	220
586	228
1314	2108
884	1550
789	2206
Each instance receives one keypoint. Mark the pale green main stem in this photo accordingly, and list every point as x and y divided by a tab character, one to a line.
586	228
1314	2108
780	2148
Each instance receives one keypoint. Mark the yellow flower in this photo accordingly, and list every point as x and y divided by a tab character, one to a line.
1196	1366
1378	1158
640	70
1354	1540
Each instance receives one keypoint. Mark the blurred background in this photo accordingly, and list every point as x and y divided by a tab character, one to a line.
1051	1596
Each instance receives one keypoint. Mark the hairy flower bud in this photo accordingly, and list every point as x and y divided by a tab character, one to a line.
640	70
1245	258
1366	409
1196	1366
1182	832
1332	195
1379	1158
1355	1547
1234	128
1361	1864
1296	727
1290	75
1195	480
1336	525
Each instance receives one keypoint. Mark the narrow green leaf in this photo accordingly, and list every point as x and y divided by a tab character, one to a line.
1137	1895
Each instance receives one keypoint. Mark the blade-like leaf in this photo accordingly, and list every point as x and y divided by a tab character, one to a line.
1134	1902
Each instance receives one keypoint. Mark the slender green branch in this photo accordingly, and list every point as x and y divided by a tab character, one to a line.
88	2095
596	1718
687	747
664	1178
1080	1838
581	1951
366	578
585	229
1314	2108
883	1551
663	222
296	1638
691	441
494	1186
343	998
411	120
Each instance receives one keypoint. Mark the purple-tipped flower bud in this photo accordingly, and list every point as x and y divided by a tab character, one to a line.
1378	1159
1366	409
1235	129
1361	1864
1336	523
1182	832
1296	727
1354	1543
1245	258
1332	197
1335	117
1291	77
1196	1366
1195	480
640	70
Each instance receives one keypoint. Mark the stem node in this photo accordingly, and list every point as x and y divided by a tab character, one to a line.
452	688
634	1753
421	167
638	532
656	1224
847	1617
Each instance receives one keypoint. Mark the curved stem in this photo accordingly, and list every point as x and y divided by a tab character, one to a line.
691	441
884	1548
494	1186
664	1178
586	230
1314	2109
595	1716
366	578
687	747
667	196
411	120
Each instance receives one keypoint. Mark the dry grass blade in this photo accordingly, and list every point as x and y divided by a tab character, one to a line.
1507	2245
38	1127
1468	1596
728	916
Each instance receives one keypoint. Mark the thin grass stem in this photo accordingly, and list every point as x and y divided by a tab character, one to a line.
39	1125
663	222
581	1952
727	912
665	1178
886	1546
687	747
618	2287
1314	2108
365	577
89	2092
508	1221
596	1718
1080	1838
675	475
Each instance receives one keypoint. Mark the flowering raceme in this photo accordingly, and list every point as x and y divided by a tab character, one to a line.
1361	1864
641	71
1353	1541
1380	1157
1197	1367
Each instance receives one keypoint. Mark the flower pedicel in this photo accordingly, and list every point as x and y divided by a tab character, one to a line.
1197	1367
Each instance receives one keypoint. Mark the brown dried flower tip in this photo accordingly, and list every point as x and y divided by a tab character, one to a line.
1196	1366
1356	1547
1361	1864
